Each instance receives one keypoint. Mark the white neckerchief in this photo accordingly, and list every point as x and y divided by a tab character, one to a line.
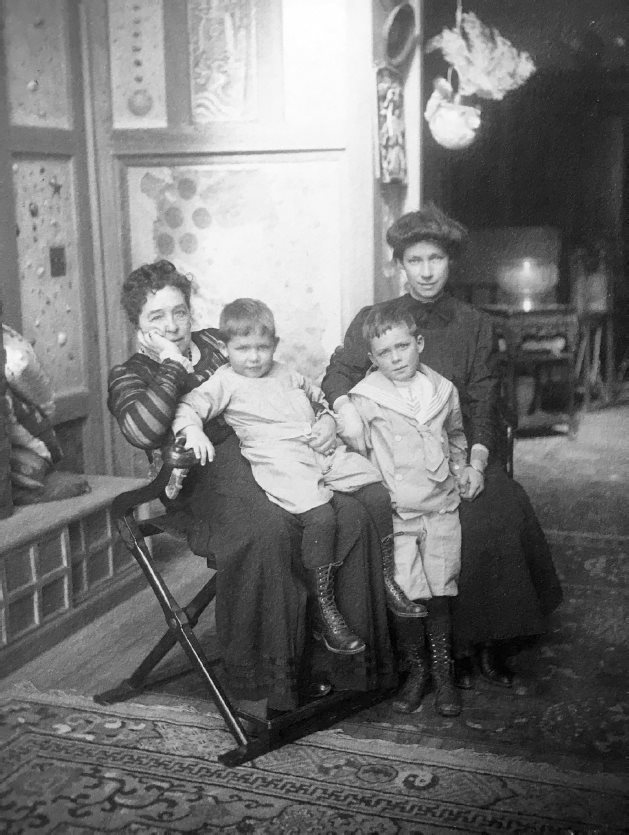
416	392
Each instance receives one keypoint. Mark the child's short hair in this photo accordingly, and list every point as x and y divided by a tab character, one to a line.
386	316
244	316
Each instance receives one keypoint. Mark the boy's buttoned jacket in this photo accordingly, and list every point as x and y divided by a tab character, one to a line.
414	452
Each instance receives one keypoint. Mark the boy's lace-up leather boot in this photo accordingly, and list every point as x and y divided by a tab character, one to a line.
447	698
397	601
415	687
329	624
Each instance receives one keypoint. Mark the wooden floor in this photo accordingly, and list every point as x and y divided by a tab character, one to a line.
107	650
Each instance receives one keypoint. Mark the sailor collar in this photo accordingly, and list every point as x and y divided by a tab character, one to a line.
375	386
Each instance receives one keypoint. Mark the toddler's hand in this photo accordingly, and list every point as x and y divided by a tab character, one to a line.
199	443
323	437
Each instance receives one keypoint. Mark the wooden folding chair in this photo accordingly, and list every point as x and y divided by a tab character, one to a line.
253	734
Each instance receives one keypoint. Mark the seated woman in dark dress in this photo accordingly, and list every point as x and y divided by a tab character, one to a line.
508	583
261	613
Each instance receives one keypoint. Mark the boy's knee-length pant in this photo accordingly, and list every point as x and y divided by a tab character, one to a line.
428	554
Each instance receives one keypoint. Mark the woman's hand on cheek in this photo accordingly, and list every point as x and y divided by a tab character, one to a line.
323	438
154	344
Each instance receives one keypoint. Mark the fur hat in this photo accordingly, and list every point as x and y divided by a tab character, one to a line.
428	224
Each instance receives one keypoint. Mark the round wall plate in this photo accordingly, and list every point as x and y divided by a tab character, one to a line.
399	34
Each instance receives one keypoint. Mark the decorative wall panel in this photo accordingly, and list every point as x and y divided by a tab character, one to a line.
36	45
223	61
136	44
50	282
270	230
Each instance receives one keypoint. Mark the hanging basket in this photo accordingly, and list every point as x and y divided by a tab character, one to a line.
452	124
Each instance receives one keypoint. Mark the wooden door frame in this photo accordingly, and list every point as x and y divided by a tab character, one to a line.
85	402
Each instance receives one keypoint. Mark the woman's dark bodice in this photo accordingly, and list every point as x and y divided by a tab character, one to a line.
458	343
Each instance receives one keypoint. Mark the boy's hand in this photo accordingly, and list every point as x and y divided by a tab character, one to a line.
199	443
323	438
351	427
471	483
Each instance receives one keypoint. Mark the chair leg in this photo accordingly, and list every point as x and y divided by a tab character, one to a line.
270	734
138	680
179	626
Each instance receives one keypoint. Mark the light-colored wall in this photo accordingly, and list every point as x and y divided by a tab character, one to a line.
290	224
246	156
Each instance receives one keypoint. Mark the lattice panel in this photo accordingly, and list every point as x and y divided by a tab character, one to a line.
36	44
46	578
36	584
50	282
136	44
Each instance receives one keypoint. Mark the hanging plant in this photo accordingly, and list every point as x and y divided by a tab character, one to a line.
487	66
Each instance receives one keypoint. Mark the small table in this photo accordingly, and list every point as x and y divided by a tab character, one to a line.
535	343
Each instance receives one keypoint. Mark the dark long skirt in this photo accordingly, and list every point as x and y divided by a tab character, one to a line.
261	602
508	583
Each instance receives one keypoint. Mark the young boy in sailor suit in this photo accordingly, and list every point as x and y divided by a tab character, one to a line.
414	436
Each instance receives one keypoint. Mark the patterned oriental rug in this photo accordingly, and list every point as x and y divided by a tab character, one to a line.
70	766
548	756
570	703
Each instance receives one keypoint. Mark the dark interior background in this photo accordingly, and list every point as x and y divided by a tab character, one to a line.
554	152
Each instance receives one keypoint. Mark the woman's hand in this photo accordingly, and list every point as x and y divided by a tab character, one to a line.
199	443
351	427
323	438
154	345
471	484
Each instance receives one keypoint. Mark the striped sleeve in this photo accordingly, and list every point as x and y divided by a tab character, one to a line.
143	396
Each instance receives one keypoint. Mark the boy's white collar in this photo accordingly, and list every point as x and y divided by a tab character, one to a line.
405	383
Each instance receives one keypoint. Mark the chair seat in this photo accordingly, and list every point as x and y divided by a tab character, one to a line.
176	523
